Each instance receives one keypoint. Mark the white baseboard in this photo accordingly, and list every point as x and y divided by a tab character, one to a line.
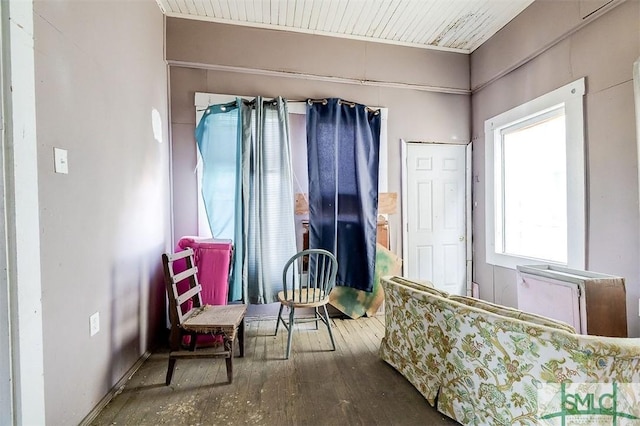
115	390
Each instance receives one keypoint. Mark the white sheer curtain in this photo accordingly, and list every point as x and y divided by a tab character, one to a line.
271	238
263	217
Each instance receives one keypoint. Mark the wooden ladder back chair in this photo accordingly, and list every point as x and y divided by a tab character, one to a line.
307	279
190	317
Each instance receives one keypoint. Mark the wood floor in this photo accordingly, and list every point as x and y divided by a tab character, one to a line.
316	386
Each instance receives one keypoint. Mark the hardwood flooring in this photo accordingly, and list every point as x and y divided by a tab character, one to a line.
316	386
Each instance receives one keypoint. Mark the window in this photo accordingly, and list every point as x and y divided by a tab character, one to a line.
535	182
297	113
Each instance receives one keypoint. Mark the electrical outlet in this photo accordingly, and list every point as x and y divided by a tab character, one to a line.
94	323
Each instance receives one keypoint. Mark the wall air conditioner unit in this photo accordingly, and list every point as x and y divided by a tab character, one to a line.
592	303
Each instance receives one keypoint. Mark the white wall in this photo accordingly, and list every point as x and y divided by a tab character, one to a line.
603	51
414	115
100	75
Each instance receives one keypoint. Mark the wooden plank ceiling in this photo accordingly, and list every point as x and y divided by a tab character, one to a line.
452	25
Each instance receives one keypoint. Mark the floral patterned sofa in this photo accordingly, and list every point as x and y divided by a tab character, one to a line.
481	363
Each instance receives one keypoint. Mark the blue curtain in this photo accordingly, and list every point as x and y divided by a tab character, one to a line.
343	142
219	138
247	190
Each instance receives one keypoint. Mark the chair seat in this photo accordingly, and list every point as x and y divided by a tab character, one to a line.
307	297
210	319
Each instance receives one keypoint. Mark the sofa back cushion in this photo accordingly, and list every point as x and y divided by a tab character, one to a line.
425	286
513	313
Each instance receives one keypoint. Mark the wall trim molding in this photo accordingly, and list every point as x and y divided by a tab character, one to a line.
21	209
115	390
318	77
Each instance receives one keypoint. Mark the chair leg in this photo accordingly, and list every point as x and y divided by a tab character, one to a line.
193	342
228	346
172	364
290	328
241	337
279	319
328	321
175	340
317	314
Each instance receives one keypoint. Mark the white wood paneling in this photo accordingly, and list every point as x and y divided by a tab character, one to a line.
459	26
208	8
217	9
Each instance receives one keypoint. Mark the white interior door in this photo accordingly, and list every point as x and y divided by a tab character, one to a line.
434	213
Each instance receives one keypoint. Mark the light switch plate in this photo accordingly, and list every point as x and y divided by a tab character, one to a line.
94	323
60	160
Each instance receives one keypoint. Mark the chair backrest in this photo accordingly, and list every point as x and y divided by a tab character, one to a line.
183	288
309	276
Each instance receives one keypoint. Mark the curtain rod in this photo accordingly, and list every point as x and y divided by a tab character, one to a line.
341	102
309	101
273	101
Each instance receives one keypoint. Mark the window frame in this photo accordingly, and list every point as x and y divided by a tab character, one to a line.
571	96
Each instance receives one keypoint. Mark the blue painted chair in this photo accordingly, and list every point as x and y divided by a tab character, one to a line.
307	279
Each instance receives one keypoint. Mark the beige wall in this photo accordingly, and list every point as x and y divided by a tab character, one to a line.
603	51
99	75
414	115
